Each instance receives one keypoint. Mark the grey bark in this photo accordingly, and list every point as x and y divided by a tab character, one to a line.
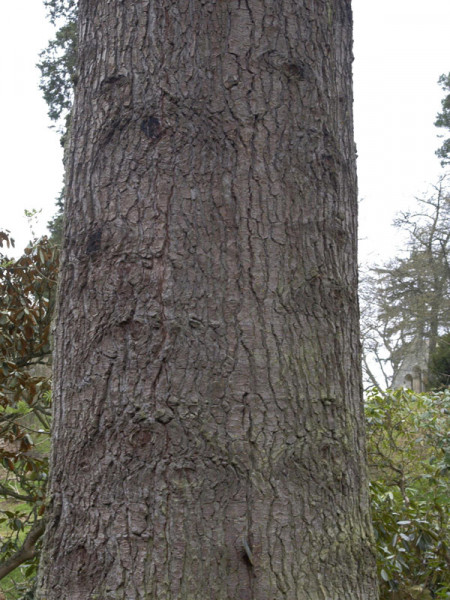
208	428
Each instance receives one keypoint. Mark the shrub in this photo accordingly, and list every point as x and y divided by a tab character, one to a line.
409	458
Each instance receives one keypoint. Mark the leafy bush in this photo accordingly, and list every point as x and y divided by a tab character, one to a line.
409	459
27	292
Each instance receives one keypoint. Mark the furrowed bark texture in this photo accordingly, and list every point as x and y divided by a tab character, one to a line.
208	434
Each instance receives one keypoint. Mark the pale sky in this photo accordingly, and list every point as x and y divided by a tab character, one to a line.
401	49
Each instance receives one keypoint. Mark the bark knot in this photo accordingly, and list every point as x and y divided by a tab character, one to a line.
94	241
151	128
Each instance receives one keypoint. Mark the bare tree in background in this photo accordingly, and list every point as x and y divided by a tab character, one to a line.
405	303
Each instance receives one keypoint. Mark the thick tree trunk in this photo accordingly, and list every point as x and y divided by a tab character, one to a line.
208	434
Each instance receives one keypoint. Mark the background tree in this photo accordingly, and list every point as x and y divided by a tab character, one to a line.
58	76
407	300
208	418
439	365
443	120
376	343
58	61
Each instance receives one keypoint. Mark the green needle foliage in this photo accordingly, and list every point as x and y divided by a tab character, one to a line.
443	120
58	62
61	9
58	71
58	78
439	365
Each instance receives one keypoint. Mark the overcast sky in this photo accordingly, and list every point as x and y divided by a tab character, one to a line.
401	49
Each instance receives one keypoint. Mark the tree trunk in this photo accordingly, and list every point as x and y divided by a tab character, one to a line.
208	427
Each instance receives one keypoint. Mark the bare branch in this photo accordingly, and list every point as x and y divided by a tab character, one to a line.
6	491
26	552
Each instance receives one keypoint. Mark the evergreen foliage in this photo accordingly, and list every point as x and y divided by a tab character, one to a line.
443	119
58	78
61	9
58	71
58	62
439	365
